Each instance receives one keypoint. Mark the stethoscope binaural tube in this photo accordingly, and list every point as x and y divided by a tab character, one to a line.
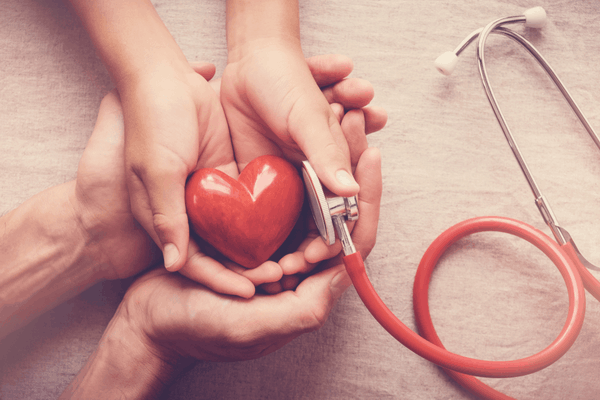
533	18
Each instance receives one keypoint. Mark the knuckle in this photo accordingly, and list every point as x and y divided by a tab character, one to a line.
166	224
328	154
157	163
317	318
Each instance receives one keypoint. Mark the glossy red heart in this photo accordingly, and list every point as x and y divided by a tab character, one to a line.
249	218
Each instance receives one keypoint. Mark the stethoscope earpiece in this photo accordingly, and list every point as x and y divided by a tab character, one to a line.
446	62
535	17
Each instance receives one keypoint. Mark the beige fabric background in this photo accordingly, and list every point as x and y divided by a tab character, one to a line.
444	160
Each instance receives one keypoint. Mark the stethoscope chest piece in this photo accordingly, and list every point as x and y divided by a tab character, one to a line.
329	212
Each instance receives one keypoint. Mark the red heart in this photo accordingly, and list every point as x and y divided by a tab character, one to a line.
249	218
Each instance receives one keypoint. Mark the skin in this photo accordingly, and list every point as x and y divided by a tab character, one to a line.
83	232
174	122
166	321
278	103
72	236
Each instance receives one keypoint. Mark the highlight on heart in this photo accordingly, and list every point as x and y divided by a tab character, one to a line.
246	219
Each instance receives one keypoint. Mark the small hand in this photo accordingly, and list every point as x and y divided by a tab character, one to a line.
102	201
274	105
252	137
174	124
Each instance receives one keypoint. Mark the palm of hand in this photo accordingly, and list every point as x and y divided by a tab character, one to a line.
177	320
102	191
182	319
260	96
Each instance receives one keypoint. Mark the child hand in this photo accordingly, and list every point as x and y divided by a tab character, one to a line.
274	105
252	138
103	206
174	124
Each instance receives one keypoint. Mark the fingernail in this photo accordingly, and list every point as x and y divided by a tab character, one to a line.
339	284
170	255
345	178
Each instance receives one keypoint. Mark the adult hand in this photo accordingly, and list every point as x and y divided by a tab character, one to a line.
102	200
166	320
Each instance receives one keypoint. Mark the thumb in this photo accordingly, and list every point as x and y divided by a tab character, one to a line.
157	200
316	130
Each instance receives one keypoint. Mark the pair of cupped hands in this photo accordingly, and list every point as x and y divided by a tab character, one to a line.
164	124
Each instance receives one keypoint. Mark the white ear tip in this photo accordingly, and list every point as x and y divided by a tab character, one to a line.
446	62
535	17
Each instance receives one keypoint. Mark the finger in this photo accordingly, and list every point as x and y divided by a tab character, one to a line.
353	126
107	135
214	275
286	314
296	262
272	287
287	282
375	118
350	93
317	250
368	174
338	111
308	308
110	118
330	68
316	130
215	84
162	190
207	70
267	272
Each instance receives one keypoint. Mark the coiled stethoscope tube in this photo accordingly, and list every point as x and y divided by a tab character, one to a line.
331	214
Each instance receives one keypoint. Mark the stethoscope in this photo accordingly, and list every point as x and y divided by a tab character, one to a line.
332	213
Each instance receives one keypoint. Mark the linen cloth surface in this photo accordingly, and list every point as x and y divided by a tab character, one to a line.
444	160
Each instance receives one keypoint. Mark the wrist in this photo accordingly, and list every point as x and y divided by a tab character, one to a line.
256	24
125	365
161	70
45	257
129	36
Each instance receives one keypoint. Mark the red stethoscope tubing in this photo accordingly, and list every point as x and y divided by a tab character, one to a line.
590	283
430	347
